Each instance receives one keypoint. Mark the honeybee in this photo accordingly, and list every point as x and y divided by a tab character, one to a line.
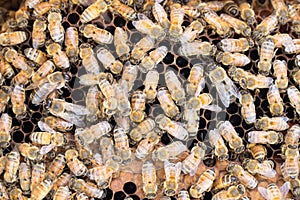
155	57
281	40
235	59
224	182
221	27
29	151
122	144
146	146
225	87
42	189
233	192
248	107
39	33
99	35
243	176
176	20
16	194
62	193
11	167
138	103
265	168
122	9
71	43
5	124
204	184
217	141
89	60
265	137
18	102
172	172
120	42
88	188
281	11
55	27
91	102
289	168
110	103
56	166
149	180
22	16
192	31
160	15
247	13
42	8
129	74
272	192
75	165
109	61
235	45
106	148
60	58
292	136
294	94
47	68
137	133
183	195
228	132
13	38
35	55
25	176
175	87
146	26
171	127
123	102
37	174
196	81
239	26
197	48
6	69
294	187
258	151
275	123
266	55
62	180
191	163
17	60
266	26
93	11
165	99
169	152
275	101
191	119
255	82
280	71
150	83
68	111
140	49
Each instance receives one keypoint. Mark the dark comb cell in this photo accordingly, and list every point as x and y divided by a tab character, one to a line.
129	188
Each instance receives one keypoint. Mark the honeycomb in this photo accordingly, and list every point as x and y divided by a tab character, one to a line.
128	183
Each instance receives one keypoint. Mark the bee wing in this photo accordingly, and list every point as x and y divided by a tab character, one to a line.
232	88
200	87
270	173
212	107
78	109
37	84
46	149
88	79
193	171
264	192
284	189
43	92
142	16
77	120
223	94
178	167
45	127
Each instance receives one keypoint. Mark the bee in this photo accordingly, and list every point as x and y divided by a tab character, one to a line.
217	141
171	127
183	195
62	193
18	102
60	58
275	101
5	124
155	57
75	165
17	60
146	146
22	16
122	9
247	13
42	8
12	38
176	20
281	11
55	27
62	180
68	111
275	123
140	49
166	102
71	43
243	176
39	32
107	149
255	82
294	94
196	81
191	163
6	69
272	192
281	40
121	44
22	78
144	127
235	59
265	137
197	48
295	186
231	8
56	166
248	107
16	194
265	168
175	87
224	182
266	55
172	172
89	60
42	189
289	168
219	77
192	31
122	144
25	176
233	192
124	104
47	68
169	152
109	61
204	184
228	132
149	180
93	11
191	119
239	26
160	15
110	103
258	151
138	105
11	167
88	188
37	174
146	26
192	11
35	55
91	102
236	45
99	35
266	26
129	74
150	83
296	75
292	136
29	151
280	71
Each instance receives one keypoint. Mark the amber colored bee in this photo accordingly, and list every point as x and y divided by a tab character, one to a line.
197	48
290	168
43	71
16	194
281	11
29	151
266	56
62	193
233	192
273	192
12	38
144	127
22	16
109	61
175	87
151	82
217	141
294	94
275	123
234	59
42	189
18	102
275	101
235	45
88	188
140	49
5	129
204	184
166	102
239	26
264	168
224	182
121	44
265	137
248	108
265	27
129	74
247	13
280	71
122	9
176	20
93	11
23	77
138	105
56	167
38	32
35	55
169	152
5	92
72	43
17	60
258	151
146	146
75	165
11	167
37	174
55	27
122	144
6	69
160	15
191	163
62	180
25	176
172	172
42	8
60	58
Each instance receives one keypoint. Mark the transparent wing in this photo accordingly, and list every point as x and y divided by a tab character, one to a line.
263	192
77	120
46	149
42	93
270	173
232	88
88	79
78	109
200	87
45	127
284	189
223	94
213	107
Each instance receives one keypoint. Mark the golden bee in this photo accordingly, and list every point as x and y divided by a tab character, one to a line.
160	15
258	151
93	11
204	184
13	38
110	103
25	176
272	192
197	48
253	82
122	9
62	193
138	105
196	81
122	144
281	40
165	99
217	141
235	59
37	174
149	180
129	74
123	102
108	61
247	13
55	27
265	137
43	71
42	8
175	87
91	102
17	60
6	69
281	11
11	167
280	71
294	94
266	55
56	167
233	192
224	182
60	58
16	194
264	169
191	118
107	149
290	168
235	45
3	160
4	191
248	107
292	136
176	20
275	123
89	60
140	131
38	32
88	188
146	146
191	163
62	180
18	102
140	49
71	43
163	153
29	151
275	101
41	190
5	124
266	26
75	165
150	83
22	16
155	57
121	44
239	26
99	35
35	55
172	172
